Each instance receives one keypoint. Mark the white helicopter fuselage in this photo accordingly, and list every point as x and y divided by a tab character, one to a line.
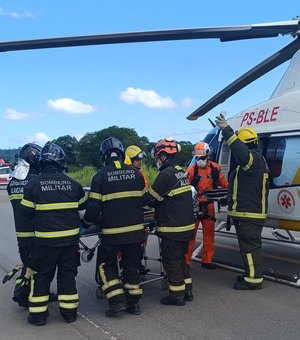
277	122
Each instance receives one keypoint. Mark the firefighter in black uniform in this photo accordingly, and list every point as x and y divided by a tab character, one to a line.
247	199
116	200
171	197
54	200
26	170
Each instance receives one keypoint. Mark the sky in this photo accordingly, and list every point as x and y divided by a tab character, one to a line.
151	87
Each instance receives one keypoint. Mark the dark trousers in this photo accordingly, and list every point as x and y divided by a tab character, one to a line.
174	263
249	238
124	289
45	261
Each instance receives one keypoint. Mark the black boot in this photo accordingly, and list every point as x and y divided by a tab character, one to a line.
241	284
134	309
172	300
115	308
188	296
37	320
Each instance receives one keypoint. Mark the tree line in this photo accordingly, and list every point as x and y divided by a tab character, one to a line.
85	152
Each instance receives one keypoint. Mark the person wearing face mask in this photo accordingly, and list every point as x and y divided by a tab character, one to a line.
171	196
204	175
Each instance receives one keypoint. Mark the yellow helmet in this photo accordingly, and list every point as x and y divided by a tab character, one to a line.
133	151
127	160
247	135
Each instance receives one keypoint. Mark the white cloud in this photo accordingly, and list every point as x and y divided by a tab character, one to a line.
70	106
11	114
187	102
147	97
16	14
39	138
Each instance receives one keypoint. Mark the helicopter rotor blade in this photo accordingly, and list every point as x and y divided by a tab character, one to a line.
225	33
256	72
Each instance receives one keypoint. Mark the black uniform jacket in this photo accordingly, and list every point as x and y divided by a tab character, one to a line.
23	224
171	196
248	184
117	196
53	200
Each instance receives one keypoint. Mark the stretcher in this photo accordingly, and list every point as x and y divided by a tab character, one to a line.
147	275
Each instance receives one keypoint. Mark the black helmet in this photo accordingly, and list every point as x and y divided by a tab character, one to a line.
30	153
110	145
53	153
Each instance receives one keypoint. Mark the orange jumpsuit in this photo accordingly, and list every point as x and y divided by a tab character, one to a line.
208	225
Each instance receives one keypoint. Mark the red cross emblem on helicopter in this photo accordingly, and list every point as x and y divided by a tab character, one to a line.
286	201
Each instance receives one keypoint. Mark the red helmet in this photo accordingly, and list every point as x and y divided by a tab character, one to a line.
167	145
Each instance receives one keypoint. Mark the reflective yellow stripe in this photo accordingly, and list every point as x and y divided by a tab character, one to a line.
131	286
179	190
250	265
135	291
247	166
35	299
235	189
177	288
264	193
155	195
188	280
27	203
25	234
17	280
120	230
68	297
111	283
57	206
40	309
178	167
83	199
118	165
102	274
16	196
252	280
68	305
179	229
124	194
231	139
114	293
235	213
95	195
53	234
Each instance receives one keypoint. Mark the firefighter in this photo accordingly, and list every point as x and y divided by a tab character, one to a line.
116	201
136	155
53	200
247	199
26	170
171	197
204	175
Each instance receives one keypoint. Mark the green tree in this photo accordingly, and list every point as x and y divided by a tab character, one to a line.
68	144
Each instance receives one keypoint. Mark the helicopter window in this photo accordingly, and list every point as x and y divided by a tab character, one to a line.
212	139
285	167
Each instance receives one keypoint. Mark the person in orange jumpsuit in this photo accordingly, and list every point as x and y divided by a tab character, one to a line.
204	175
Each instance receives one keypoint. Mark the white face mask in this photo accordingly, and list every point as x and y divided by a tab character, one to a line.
158	163
202	163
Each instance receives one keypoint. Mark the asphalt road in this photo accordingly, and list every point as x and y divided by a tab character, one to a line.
218	311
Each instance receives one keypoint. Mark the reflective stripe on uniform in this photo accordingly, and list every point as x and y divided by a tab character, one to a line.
111	283
135	291
57	206
16	196
114	293
83	199
179	190
252	280
264	193
25	234
40	309
68	297
177	288
131	286
27	203
231	139
188	280
178	229
124	194
95	195
36	299
248	165
250	265
235	213
155	195
235	189
120	230
102	274
53	234
68	305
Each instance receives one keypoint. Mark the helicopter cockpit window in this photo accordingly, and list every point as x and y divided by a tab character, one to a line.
285	168
212	139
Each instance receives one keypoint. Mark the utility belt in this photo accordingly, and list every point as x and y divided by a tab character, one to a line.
203	212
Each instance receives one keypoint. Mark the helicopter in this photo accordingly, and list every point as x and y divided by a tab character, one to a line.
276	120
